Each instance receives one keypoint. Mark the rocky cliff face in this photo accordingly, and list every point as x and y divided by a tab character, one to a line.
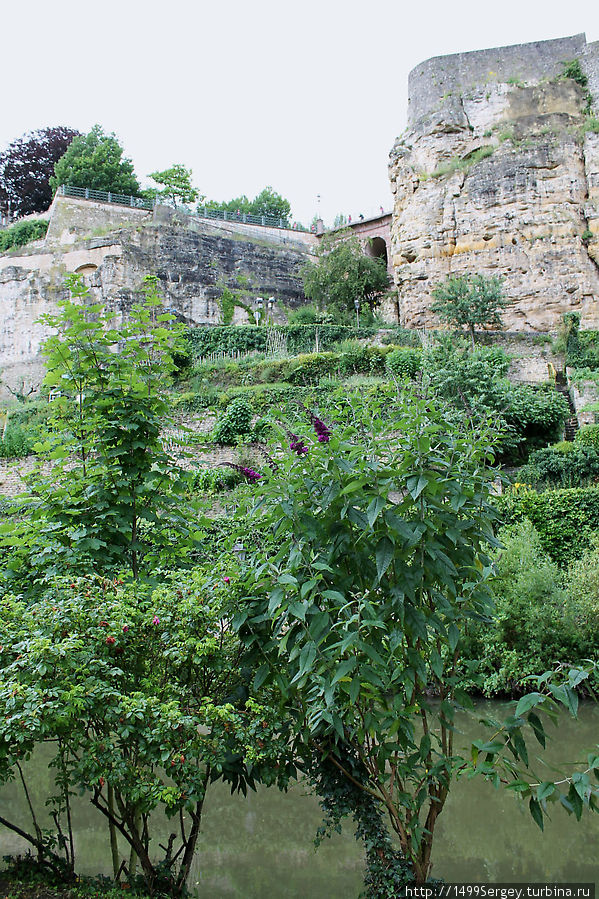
193	263
498	173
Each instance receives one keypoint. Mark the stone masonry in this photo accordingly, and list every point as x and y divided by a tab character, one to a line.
498	173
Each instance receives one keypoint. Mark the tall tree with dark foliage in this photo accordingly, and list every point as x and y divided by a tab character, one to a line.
26	167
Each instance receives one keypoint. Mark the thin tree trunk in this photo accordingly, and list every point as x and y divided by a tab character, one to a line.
114	849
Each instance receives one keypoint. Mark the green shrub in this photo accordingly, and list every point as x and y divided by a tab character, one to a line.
588	435
301	338
235	422
17	442
195	401
533	626
583	594
403	336
404	363
566	519
364	360
214	480
563	465
22	233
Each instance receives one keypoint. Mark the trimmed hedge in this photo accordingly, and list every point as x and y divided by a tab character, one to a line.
565	519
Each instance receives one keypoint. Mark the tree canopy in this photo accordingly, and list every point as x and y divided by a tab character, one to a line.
95	160
268	203
26	167
469	300
344	274
176	185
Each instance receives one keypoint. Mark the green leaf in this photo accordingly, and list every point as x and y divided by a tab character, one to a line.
344	668
374	509
537	812
385	551
547	788
261	675
525	703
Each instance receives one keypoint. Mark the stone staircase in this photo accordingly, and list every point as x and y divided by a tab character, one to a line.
571	423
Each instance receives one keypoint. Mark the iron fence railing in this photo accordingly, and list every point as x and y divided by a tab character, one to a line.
247	218
205	212
105	196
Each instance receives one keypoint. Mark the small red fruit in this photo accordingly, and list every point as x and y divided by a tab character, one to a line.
110	640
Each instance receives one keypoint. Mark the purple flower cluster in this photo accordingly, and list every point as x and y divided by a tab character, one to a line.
297	445
249	474
322	431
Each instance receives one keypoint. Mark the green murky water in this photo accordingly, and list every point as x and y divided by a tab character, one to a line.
262	846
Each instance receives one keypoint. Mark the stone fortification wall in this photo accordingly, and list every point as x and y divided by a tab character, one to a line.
500	177
434	81
71	218
193	267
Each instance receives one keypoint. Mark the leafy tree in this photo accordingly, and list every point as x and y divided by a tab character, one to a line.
113	497
469	301
267	203
176	185
344	274
95	160
379	562
270	203
139	695
340	220
26	167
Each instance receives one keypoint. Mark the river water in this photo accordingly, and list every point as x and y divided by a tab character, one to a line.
262	847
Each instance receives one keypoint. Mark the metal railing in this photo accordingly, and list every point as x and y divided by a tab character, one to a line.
205	212
247	218
105	196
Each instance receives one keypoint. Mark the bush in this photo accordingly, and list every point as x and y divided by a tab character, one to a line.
588	435
213	480
404	363
533	626
22	233
301	338
236	422
563	465
403	336
566	520
17	442
363	360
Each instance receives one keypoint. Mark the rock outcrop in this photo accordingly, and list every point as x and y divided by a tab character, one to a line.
498	173
193	261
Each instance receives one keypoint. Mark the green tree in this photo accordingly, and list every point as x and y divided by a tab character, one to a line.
270	203
139	695
176	185
95	160
267	203
342	275
379	560
113	497
469	301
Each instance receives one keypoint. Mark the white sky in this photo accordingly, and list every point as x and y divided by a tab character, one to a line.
307	96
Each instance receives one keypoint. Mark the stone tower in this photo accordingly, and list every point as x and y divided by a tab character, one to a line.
498	173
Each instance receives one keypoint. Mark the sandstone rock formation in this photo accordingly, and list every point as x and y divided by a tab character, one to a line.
498	173
193	260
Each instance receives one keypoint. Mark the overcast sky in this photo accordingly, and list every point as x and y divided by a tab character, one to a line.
307	96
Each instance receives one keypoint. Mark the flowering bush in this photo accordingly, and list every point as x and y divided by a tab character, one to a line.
140	694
